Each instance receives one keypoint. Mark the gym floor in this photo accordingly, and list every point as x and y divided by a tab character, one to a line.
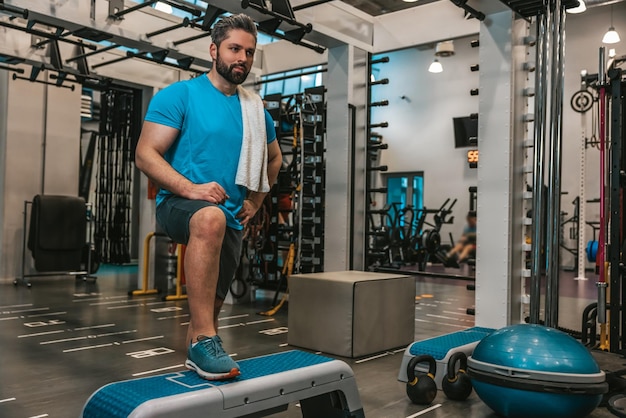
64	338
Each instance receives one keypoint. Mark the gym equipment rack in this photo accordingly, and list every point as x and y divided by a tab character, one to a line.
375	144
300	122
309	195
119	131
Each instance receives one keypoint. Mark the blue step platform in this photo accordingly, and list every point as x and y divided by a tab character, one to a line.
442	348
267	385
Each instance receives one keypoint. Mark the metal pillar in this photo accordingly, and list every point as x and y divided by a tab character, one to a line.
617	288
548	151
553	238
4	105
346	82
543	37
581	259
500	175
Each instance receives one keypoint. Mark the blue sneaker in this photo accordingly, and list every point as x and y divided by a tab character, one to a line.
210	361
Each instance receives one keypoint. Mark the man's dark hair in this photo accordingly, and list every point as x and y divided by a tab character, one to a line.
226	24
471	214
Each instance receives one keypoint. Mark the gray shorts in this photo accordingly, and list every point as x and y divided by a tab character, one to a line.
174	215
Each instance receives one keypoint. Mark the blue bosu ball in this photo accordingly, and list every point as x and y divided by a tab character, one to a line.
526	371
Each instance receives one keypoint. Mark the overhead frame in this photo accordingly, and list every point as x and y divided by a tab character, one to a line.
529	8
283	26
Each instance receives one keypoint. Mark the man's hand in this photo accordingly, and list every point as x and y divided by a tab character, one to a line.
247	212
211	192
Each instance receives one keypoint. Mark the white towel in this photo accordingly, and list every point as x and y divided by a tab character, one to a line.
252	168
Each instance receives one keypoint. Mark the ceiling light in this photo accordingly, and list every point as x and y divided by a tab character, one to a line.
435	67
578	9
163	7
611	36
444	49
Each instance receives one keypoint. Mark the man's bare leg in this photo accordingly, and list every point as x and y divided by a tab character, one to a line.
216	312
202	262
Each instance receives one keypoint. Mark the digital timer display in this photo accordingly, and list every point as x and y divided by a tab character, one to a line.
472	158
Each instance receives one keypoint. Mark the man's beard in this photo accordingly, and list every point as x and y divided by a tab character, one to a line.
228	73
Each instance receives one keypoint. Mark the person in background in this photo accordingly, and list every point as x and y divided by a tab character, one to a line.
465	247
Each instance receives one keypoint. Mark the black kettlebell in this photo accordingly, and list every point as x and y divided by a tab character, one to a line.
457	385
421	390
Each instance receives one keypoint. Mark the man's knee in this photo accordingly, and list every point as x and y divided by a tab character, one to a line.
209	222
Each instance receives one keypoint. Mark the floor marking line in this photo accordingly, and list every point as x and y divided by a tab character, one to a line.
425	411
283	345
156	303
7	400
94	326
233	317
447	317
371	358
94	299
182	324
63	340
125	307
172	317
441	323
463	313
40	416
230	326
157	370
111	302
399	350
142	339
46	314
108	334
23	305
12	317
90	347
40	333
30	310
260	321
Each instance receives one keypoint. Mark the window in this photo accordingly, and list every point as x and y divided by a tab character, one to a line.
405	189
292	85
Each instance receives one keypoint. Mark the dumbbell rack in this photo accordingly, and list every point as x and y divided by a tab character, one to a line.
309	195
375	144
300	122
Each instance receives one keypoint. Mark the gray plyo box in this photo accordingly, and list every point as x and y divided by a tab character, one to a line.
351	313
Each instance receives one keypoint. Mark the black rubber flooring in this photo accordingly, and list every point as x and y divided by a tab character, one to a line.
64	338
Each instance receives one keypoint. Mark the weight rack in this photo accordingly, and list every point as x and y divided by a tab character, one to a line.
375	144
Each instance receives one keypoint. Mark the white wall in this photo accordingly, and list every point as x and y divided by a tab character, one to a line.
584	36
420	133
33	117
420	25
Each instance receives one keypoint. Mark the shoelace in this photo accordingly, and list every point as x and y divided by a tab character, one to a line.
212	345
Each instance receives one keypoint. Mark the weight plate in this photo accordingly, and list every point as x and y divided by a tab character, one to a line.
582	101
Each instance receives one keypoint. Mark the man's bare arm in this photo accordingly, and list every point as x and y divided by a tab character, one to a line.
154	141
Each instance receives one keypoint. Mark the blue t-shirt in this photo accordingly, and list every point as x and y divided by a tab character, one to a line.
469	230
209	142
